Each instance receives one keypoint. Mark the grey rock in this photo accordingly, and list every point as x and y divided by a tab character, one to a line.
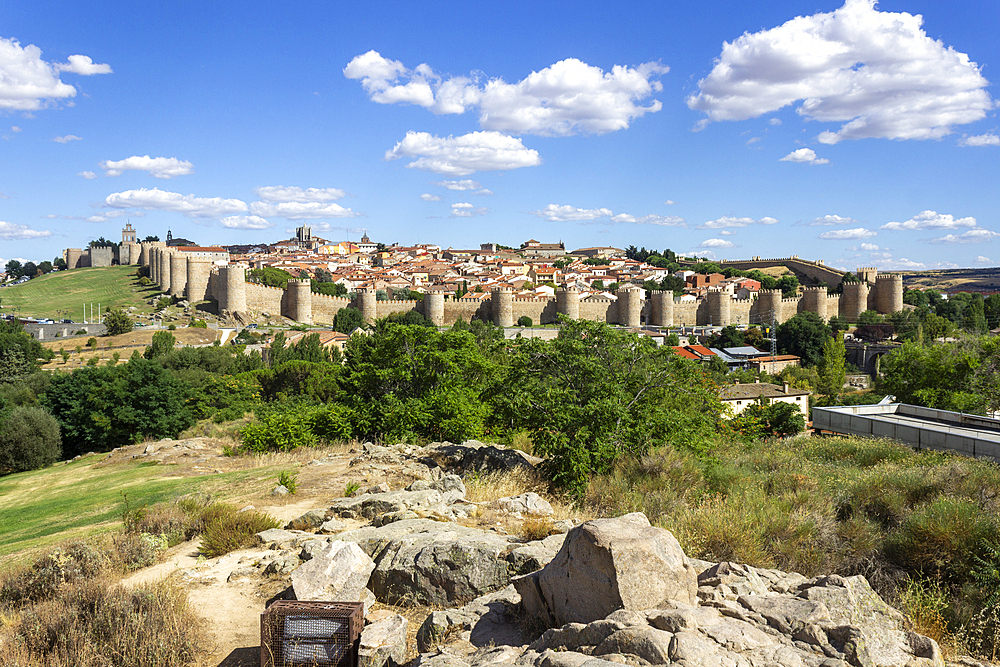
383	641
279	491
441	626
281	539
529	504
647	643
392	517
332	526
308	521
610	564
339	572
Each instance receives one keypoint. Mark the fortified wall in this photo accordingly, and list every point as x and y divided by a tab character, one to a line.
195	277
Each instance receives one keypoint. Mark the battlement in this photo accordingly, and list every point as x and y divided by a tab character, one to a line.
814	289
888	277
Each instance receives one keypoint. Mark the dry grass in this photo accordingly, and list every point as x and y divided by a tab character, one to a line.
483	488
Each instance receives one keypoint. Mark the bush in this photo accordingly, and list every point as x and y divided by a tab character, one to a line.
524	321
29	439
228	529
117	322
92	343
279	431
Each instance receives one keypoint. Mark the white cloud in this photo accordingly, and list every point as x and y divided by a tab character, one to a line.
752	140
871	247
983	260
727	232
28	83
15	128
483	192
651	219
462	185
833	220
10	232
877	72
669	202
281	193
466	210
66	139
806	155
848	234
716	243
463	155
774	121
245	222
294	210
978	235
83	65
566	98
189	205
428	197
727	221
931	220
159	167
566	213
879	256
89	175
902	264
988	139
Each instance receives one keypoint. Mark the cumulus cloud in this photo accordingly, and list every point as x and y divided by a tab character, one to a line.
848	234
988	139
806	155
566	213
159	167
878	73
429	197
833	220
463	155
12	232
983	260
871	247
569	97
727	221
89	175
245	222
83	65
462	185
931	220
28	83
774	121
189	205
466	210
66	139
727	232
978	235
716	243
669	202
280	193
294	210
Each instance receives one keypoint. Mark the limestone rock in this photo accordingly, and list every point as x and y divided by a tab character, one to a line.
526	504
339	572
610	564
308	521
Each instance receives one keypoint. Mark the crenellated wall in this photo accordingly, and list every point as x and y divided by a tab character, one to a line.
197	279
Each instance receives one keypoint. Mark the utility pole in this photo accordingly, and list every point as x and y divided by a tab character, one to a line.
774	341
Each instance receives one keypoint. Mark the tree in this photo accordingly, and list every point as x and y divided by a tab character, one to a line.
162	343
869	317
14	269
45	267
838	324
803	335
730	336
777	419
19	352
29	439
991	310
117	322
59	264
151	239
270	276
347	320
832	374
30	270
524	321
596	393
328	288
103	243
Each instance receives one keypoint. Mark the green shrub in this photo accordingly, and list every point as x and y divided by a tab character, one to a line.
92	343
289	480
942	539
171	327
198	324
279	431
29	439
228	529
524	321
332	423
351	488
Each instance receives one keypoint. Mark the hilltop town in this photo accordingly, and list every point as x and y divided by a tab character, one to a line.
535	283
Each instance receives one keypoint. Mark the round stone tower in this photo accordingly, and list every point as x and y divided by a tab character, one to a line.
568	302
434	307
198	271
854	301
154	270
663	308
73	256
144	252
503	306
235	293
178	274
889	293
166	268
768	303
369	304
719	308
129	253
300	301
814	301
630	306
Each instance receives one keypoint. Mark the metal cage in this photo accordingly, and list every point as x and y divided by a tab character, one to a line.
320	634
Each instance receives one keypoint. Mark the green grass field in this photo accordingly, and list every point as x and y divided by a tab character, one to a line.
74	500
62	294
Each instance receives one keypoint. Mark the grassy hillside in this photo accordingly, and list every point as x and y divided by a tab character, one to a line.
62	294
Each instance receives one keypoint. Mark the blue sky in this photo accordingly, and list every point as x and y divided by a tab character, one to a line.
861	134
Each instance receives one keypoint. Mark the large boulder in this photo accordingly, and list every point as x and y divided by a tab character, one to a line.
383	640
339	572
609	564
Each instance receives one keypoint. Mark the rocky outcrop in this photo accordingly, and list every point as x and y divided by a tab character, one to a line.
609	564
340	571
383	641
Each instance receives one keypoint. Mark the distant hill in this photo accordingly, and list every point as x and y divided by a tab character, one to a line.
969	280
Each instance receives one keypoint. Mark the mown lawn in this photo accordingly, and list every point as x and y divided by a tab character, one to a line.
62	294
74	500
